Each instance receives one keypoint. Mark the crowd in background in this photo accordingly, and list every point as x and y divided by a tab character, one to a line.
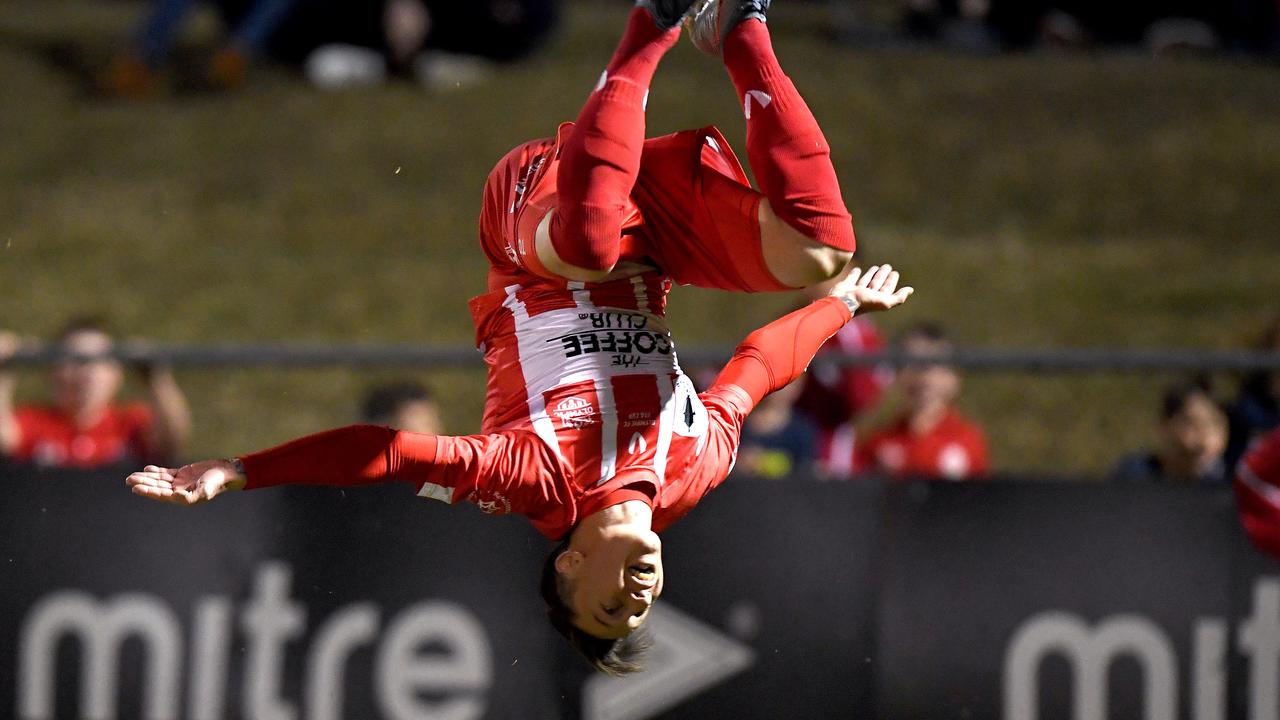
1235	26
821	425
340	43
444	44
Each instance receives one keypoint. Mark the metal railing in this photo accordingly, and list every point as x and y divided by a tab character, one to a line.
1005	360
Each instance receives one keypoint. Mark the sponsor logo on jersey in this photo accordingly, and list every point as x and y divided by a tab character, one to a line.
761	98
492	503
523	183
619	342
575	412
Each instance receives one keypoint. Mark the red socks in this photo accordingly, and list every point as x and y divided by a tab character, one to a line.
785	146
600	161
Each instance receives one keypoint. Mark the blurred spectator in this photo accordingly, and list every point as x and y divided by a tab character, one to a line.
1257	486
83	427
251	24
833	398
345	42
1237	25
1192	438
930	438
776	441
1257	407
403	406
440	43
960	24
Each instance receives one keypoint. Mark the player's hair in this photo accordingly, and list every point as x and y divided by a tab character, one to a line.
383	401
82	323
611	657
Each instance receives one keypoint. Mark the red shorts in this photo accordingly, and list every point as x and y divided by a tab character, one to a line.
693	212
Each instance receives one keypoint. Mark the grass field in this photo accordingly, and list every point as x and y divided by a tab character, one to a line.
1035	201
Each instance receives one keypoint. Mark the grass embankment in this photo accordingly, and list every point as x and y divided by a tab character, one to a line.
1037	200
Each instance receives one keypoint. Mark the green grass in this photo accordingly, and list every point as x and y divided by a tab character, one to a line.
1035	201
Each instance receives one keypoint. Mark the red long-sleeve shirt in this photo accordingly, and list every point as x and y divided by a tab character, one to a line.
669	454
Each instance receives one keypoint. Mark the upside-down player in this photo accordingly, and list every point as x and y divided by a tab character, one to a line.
590	428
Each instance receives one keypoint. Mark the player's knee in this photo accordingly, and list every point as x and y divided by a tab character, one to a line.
592	249
828	262
800	259
577	250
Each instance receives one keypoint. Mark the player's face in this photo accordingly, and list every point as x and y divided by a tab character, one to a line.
614	583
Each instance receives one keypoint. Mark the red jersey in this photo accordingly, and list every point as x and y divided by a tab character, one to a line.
955	449
590	369
611	437
49	437
586	405
1257	485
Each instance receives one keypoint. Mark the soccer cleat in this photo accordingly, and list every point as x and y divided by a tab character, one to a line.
712	21
667	14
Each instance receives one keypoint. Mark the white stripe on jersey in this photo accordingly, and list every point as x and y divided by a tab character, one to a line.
642	293
1266	491
542	424
666	421
604	396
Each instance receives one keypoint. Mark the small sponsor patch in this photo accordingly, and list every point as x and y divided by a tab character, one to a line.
491	502
575	412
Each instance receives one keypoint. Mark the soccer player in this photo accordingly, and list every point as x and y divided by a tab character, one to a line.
590	428
601	479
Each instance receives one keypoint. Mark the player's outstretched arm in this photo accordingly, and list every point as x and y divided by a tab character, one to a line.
188	485
349	456
779	352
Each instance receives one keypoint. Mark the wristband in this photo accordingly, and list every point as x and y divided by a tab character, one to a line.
850	303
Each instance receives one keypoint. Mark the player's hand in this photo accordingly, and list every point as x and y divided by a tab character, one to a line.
187	485
874	290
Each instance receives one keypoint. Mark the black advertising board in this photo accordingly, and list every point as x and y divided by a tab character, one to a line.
797	599
289	603
1076	601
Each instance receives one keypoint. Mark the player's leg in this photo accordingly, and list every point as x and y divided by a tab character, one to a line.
806	232
599	161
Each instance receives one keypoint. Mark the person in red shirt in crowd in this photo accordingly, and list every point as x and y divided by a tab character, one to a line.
930	438
833	397
1257	486
83	427
590	427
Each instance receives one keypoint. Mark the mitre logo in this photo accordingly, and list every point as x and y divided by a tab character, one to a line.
574	411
